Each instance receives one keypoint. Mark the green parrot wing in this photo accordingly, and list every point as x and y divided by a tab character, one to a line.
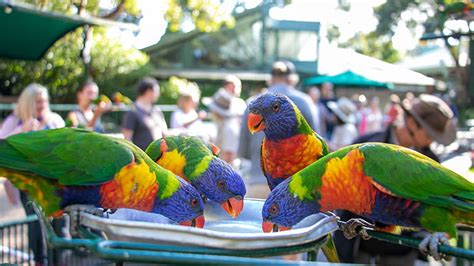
71	156
409	174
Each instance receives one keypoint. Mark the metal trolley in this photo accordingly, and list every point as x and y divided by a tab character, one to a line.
102	240
224	240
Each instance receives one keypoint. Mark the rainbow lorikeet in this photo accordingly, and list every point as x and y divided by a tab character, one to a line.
119	98
387	184
197	162
67	166
289	144
102	98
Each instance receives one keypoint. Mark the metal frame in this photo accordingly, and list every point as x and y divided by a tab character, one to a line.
121	251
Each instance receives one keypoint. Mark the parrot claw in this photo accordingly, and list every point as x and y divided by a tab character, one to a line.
74	213
429	245
355	227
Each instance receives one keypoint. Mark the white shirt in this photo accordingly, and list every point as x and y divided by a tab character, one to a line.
342	136
180	118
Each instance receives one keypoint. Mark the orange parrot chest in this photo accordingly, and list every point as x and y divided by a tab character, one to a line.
345	185
134	187
283	158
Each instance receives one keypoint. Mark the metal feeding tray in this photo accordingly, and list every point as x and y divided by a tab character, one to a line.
220	230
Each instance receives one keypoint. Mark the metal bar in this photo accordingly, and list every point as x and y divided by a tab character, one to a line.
86	234
199	250
15	245
410	242
27	242
23	240
28	219
7	230
181	258
70	107
2	237
312	255
457	35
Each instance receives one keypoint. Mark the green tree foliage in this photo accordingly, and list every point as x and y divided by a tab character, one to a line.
207	15
433	16
113	66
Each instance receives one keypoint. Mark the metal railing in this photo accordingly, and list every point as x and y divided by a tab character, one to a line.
14	245
111	119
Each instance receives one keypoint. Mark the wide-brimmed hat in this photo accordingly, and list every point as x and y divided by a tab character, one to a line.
344	109
237	83
221	103
434	116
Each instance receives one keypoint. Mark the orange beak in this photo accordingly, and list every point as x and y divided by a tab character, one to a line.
197	222
255	123
233	206
269	227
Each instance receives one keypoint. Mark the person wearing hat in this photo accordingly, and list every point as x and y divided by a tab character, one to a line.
423	120
345	130
227	109
283	79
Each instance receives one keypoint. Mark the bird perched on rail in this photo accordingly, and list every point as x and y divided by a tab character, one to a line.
68	166
289	144
197	162
387	184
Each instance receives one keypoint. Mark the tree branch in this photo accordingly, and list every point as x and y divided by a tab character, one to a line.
460	71
116	11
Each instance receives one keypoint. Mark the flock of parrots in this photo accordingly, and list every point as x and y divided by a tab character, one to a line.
388	184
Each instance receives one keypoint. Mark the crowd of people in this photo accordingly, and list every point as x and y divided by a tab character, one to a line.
413	122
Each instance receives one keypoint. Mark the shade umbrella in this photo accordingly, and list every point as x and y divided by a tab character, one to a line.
27	33
347	79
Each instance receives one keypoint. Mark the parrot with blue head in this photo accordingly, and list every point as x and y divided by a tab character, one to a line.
289	144
69	166
394	187
196	161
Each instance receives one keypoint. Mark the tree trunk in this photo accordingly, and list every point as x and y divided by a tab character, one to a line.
461	74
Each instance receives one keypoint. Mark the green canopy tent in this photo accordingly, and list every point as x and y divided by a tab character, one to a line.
27	33
348	79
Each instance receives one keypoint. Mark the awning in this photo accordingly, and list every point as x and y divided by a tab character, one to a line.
347	79
27	33
336	60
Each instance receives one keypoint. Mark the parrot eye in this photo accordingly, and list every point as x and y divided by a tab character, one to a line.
274	209
194	202
276	107
220	184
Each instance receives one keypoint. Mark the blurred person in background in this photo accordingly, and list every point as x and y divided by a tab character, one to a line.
227	109
392	110
283	80
345	131
373	117
31	113
423	120
145	122
186	120
85	116
327	95
361	102
323	116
